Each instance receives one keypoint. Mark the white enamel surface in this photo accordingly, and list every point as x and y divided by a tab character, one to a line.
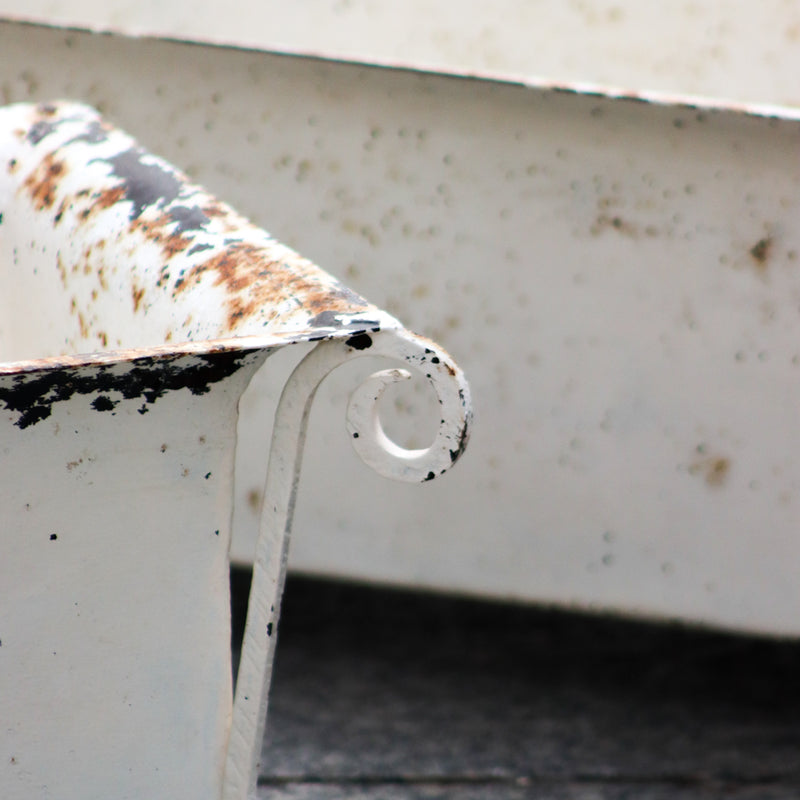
717	48
587	261
115	626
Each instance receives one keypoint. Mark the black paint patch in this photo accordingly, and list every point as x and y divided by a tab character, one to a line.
39	130
198	248
326	319
53	537
32	394
103	403
361	341
145	184
188	219
269	629
95	133
430	476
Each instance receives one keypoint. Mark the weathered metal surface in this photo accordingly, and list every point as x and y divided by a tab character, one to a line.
286	452
129	233
594	255
115	529
136	308
719	48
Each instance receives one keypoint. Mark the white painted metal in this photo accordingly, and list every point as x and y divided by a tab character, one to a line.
729	49
383	455
619	279
136	308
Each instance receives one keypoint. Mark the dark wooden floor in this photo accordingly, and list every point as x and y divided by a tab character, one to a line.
388	694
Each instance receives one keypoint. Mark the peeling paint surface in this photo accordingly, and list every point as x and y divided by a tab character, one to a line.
115	481
136	310
125	230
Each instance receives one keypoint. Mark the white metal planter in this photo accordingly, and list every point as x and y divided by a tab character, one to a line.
136	308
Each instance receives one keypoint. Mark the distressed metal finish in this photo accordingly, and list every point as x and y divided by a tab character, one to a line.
136	308
128	233
620	281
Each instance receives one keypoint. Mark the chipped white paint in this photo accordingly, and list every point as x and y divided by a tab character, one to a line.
383	455
619	278
136	309
716	48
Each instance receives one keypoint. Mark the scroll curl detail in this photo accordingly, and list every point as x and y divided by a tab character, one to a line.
280	492
452	391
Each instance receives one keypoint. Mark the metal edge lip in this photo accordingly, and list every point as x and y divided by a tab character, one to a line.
539	84
207	347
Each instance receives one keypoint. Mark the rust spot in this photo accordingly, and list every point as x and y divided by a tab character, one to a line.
158	231
253	281
760	252
42	183
138	294
214	210
83	325
714	469
254	499
717	471
109	197
62	270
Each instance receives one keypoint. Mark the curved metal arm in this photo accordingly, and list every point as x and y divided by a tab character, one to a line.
378	451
